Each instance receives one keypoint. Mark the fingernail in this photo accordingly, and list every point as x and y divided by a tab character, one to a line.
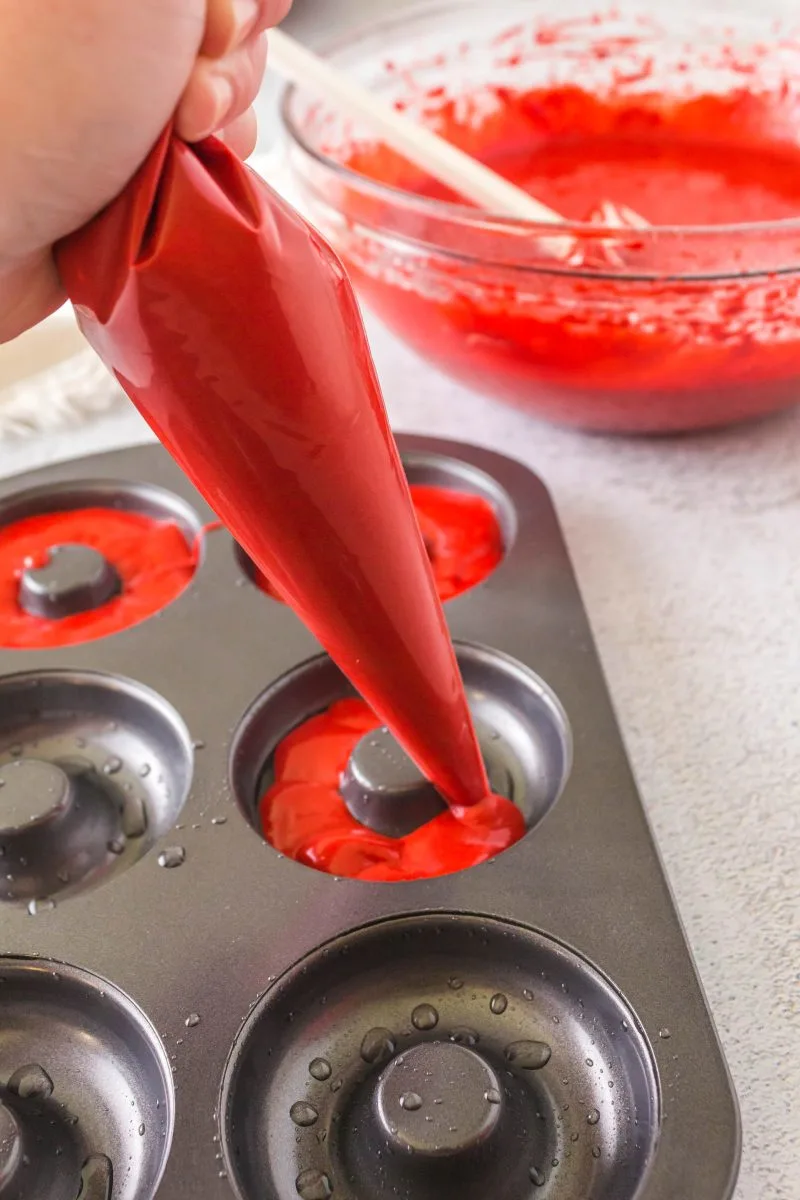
232	24
223	99
245	13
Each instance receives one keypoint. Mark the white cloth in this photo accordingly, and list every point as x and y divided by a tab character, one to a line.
49	380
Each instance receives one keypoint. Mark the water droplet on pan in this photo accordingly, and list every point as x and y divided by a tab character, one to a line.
424	1017
411	1101
134	817
455	983
593	1117
498	1004
192	1021
142	1129
319	1069
536	1177
665	1034
303	1114
112	766
492	1096
117	845
97	1179
40	906
173	856
31	1082
378	1045
462	1035
313	1185
595	1151
528	1055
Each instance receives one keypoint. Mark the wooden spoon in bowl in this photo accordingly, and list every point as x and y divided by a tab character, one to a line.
458	171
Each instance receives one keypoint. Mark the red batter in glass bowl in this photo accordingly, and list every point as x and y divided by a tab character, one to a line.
461	533
692	121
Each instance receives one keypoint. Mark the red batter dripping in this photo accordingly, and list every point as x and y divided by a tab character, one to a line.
153	559
303	814
461	534
233	328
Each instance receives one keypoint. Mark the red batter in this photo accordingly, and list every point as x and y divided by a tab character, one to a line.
232	326
153	560
656	353
303	814
461	534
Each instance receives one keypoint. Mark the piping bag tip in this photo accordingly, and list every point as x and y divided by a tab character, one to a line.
233	328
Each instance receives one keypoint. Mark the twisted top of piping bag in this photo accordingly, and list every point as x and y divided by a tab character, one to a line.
232	326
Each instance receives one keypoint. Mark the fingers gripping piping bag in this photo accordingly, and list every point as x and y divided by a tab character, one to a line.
232	326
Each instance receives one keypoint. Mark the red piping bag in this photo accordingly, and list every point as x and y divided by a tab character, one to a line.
233	328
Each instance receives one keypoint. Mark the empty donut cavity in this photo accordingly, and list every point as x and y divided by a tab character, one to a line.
93	769
86	1093
557	1085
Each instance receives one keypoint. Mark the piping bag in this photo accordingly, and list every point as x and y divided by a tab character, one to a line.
234	330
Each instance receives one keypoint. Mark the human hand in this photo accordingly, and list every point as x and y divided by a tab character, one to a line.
91	84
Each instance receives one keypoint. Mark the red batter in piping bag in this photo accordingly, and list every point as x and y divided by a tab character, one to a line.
232	326
462	537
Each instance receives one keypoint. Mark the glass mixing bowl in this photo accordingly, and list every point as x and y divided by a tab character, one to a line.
670	327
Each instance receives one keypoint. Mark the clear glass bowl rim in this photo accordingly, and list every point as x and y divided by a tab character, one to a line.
457	213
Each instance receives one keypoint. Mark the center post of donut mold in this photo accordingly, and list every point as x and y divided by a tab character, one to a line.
74	578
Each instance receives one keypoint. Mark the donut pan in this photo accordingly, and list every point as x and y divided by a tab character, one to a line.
185	1013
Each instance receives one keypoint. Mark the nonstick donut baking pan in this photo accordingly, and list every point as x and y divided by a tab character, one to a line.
185	1012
